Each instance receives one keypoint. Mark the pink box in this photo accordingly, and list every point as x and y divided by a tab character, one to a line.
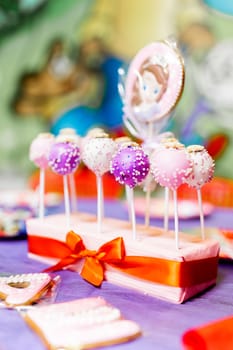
160	270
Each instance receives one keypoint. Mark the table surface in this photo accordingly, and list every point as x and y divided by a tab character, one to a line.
162	323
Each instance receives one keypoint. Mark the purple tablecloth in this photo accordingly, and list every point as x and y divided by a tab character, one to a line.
162	323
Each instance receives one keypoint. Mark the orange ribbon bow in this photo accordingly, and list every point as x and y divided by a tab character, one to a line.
174	273
93	267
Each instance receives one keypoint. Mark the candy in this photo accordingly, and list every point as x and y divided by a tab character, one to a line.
130	165
40	148
203	166
97	153
64	157
170	165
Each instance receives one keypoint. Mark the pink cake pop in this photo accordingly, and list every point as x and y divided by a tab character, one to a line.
130	166
170	167
39	153
64	159
97	151
203	170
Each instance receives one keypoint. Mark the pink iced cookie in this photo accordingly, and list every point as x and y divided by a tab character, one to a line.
84	323
23	289
171	166
203	166
154	82
40	148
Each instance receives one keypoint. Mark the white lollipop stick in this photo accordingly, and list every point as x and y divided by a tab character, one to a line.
130	198
148	202
176	223
41	193
67	201
100	202
199	196
166	208
148	191
73	194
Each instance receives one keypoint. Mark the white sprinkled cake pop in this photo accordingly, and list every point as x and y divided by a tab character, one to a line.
170	167
202	172
130	166
203	166
97	150
39	154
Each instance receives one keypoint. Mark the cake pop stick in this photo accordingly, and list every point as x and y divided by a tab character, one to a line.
170	167
203	170
69	135
170	142
97	151
64	159
39	153
130	165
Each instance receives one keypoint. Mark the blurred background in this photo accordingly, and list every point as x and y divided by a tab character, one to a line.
59	62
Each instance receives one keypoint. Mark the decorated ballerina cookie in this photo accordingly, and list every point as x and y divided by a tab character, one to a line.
130	166
171	167
39	153
153	86
64	159
97	151
202	172
23	289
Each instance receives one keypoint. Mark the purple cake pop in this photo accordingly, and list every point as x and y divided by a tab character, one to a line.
130	165
64	157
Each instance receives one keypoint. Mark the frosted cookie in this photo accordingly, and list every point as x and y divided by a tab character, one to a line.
23	289
81	324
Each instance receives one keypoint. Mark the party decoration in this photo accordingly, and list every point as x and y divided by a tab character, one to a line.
150	91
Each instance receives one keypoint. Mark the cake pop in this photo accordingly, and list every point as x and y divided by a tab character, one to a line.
170	167
39	153
202	172
70	135
97	151
130	166
64	159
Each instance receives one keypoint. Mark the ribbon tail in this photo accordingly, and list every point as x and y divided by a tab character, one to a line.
65	262
93	271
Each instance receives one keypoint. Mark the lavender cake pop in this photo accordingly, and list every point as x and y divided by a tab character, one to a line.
130	165
64	157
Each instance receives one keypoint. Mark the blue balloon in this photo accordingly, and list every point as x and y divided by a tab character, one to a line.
80	118
108	115
224	6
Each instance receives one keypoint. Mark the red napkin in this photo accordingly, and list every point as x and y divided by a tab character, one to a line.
212	336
